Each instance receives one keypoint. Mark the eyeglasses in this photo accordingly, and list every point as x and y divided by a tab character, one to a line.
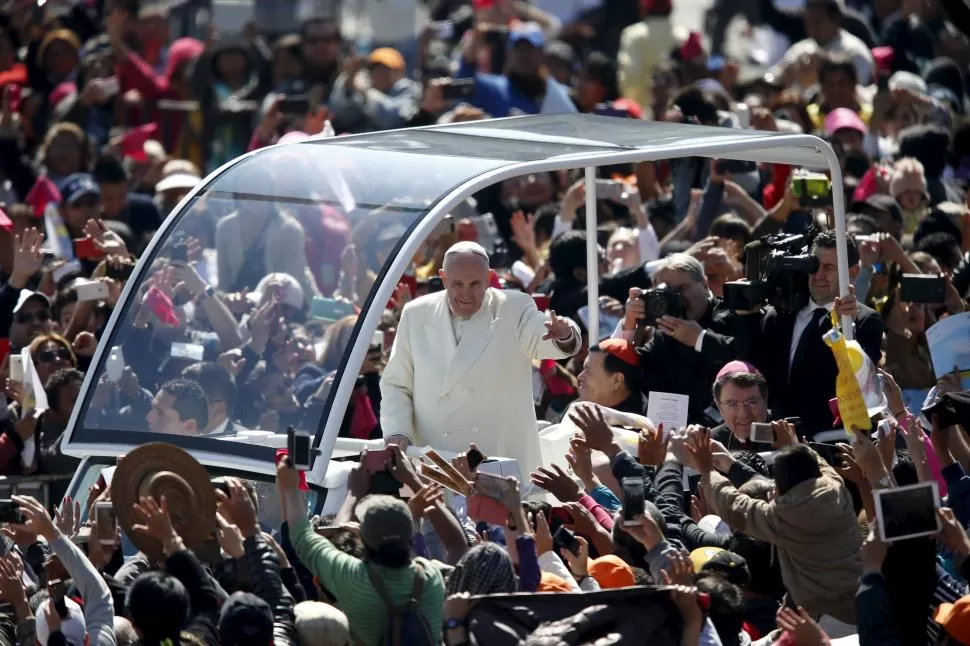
49	356
40	316
749	403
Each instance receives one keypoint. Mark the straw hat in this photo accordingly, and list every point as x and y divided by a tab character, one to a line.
156	470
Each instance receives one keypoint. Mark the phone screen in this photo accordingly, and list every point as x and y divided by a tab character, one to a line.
565	539
634	503
492	486
10	512
107	522
299	449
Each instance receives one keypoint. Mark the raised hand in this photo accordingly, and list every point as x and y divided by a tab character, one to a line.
557	329
230	537
28	257
557	482
590	420
36	519
155	520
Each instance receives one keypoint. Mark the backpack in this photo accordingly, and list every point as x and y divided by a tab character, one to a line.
406	626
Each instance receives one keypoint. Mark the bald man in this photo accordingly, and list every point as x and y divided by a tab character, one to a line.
460	370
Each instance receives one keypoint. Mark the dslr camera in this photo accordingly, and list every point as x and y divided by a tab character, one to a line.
777	269
661	300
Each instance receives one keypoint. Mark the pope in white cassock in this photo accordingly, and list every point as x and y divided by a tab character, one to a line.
460	369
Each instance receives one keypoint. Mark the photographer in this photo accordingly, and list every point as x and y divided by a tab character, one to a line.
686	351
789	348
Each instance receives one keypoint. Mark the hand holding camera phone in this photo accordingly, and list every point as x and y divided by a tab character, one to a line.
564	539
298	448
762	432
634	503
10	513
922	288
106	522
907	512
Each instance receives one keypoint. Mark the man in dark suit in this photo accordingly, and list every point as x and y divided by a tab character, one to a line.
684	355
788	347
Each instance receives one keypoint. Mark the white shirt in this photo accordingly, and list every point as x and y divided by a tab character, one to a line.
458	327
802	319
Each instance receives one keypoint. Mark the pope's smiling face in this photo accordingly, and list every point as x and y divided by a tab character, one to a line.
465	278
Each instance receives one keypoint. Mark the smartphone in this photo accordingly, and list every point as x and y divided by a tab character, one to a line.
178	250
610	189
91	290
298	447
85	249
493	486
458	89
634	503
295	104
907	512
57	589
489	226
762	432
17	368
10	512
377	461
107	522
475	458
192	351
565	539
921	288
109	85
114	365
72	268
488	510
330	309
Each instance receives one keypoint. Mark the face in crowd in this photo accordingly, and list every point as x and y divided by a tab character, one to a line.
741	402
693	290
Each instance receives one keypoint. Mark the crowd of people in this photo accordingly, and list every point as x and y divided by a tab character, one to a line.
247	306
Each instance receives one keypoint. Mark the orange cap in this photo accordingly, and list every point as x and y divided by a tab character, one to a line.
388	57
553	583
611	571
955	619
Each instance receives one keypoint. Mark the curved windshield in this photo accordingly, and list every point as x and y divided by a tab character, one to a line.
249	299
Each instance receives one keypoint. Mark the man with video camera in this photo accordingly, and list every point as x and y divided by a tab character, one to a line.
692	335
786	343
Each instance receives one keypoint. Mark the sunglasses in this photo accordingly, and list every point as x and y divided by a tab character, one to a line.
40	316
49	356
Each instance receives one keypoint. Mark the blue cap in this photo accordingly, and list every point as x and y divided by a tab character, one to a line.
77	186
529	32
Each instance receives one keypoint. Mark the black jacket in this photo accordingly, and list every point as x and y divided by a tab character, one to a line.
806	389
670	366
264	573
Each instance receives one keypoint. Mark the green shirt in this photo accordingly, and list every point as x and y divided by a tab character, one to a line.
347	578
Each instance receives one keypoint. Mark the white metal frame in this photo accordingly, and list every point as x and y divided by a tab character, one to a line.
785	149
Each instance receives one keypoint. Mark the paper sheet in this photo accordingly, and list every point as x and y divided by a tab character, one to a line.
667	408
949	342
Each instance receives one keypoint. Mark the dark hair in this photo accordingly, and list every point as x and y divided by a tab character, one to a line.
190	401
868	223
603	69
826	240
727	606
64	298
544	221
158	606
632	375
292	44
566	254
765	573
57	381
831	7
215	381
694	102
741	380
794	464
835	62
904	470
732	227
754	461
944	248
108	169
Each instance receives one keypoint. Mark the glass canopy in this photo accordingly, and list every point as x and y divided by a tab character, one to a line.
276	229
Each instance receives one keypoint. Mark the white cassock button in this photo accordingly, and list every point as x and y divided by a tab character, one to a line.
445	434
474	429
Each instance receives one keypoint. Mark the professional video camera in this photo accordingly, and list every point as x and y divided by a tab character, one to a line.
777	273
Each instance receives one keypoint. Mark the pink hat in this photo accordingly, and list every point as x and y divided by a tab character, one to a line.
733	367
844	118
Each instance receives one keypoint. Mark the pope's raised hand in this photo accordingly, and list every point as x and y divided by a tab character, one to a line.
557	328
